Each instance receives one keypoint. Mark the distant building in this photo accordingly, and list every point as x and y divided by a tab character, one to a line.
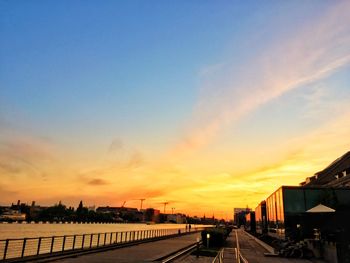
337	174
35	210
152	215
92	208
239	215
176	218
128	214
250	222
12	215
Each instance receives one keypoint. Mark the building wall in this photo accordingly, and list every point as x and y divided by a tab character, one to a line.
260	218
286	209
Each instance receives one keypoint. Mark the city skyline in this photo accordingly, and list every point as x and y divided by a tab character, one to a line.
207	106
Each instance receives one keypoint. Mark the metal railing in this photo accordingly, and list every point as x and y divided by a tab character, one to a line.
239	256
183	251
219	257
55	245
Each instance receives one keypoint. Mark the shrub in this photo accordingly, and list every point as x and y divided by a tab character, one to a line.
217	237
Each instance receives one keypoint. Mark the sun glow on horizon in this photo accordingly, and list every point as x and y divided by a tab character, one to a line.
205	120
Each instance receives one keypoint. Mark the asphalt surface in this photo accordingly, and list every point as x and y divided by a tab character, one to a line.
145	252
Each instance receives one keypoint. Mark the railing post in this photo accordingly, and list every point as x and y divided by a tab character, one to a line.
116	237
121	237
63	243
110	238
38	249
104	241
5	250
83	241
52	242
98	239
91	236
23	247
74	238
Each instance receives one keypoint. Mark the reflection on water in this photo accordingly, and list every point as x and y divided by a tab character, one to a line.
39	230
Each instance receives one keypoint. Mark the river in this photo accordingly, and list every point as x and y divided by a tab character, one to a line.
46	230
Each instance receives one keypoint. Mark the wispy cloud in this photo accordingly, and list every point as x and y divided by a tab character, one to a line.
22	155
313	53
97	181
116	145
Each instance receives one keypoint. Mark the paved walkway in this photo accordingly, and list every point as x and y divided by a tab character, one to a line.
145	252
254	252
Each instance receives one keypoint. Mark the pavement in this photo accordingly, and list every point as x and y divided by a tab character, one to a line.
145	252
151	251
254	252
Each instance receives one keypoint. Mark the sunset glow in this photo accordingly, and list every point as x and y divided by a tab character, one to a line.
207	106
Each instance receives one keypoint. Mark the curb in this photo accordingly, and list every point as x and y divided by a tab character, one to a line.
261	243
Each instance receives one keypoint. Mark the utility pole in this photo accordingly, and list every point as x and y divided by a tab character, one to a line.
172	210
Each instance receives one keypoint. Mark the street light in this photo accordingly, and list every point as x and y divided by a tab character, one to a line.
208	237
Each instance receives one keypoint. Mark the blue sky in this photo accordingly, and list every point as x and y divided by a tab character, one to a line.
183	88
96	62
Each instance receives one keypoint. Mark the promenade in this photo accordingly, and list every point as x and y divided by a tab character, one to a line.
250	248
145	252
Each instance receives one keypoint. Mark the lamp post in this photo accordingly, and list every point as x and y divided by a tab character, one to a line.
208	237
197	247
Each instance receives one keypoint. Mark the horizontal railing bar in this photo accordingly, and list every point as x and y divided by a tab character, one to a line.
72	235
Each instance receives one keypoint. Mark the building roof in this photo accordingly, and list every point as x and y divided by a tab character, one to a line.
332	173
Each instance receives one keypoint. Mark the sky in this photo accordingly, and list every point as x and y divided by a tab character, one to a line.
207	105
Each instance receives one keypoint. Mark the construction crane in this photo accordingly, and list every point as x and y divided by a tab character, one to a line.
165	203
141	200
